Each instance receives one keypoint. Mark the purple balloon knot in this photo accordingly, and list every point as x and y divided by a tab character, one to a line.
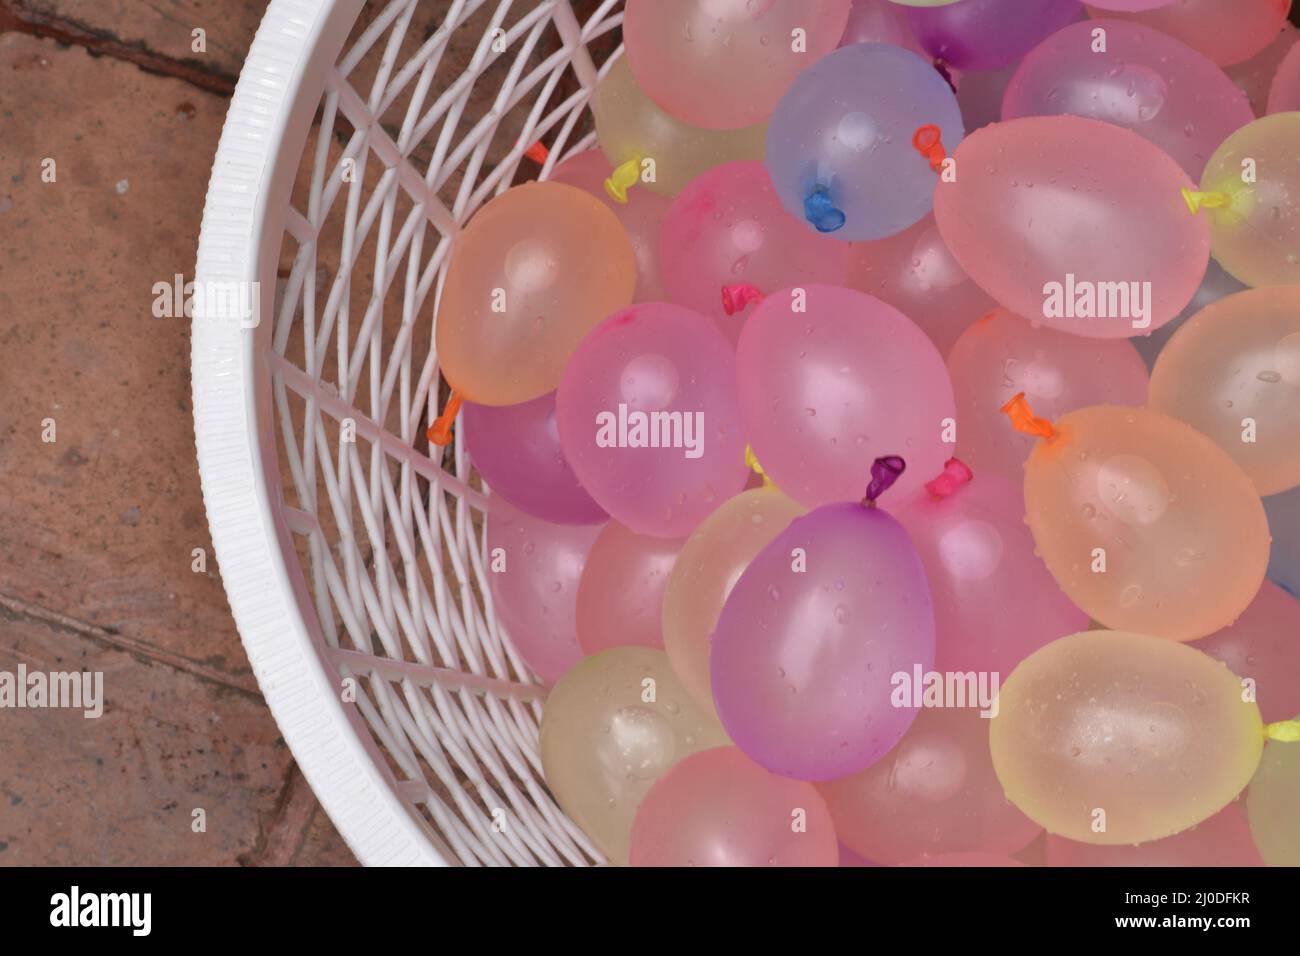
821	212
884	472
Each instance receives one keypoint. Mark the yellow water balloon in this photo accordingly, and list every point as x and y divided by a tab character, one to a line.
1110	737
1273	804
611	727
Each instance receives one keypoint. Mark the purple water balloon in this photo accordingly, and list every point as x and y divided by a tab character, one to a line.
650	420
810	637
839	146
988	34
516	449
1144	80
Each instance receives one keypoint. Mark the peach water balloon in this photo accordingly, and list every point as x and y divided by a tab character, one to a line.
1263	645
719	808
1284	92
650	421
621	592
647	146
1144	81
811	634
723	64
611	727
1227	31
840	144
989	34
1110	737
1214	286
641	214
1075	221
534	572
980	562
829	380
516	448
706	570
1250	193
934	793
727	230
1222	840
1271	804
1002	354
1232	372
535	269
1145	523
915	273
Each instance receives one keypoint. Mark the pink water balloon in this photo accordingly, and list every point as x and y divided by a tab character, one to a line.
879	21
1263	644
1255	76
534	572
810	637
934	793
829	380
971	860
728	230
650	421
1284	92
621	592
1143	80
516	448
642	216
719	808
995	602
915	273
1003	354
723	64
1076	222
1222	840
1227	31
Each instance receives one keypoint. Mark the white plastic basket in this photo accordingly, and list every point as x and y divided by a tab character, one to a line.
353	151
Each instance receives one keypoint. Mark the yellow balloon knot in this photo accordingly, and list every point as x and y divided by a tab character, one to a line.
1195	199
1283	731
752	464
622	179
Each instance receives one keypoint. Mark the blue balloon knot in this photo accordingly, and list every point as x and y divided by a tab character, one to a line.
821	212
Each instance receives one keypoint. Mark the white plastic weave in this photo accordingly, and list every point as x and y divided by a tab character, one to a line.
358	141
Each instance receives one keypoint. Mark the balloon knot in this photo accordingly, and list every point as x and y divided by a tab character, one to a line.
928	141
440	431
1024	420
537	152
821	212
884	472
623	178
736	297
1283	731
955	474
1195	199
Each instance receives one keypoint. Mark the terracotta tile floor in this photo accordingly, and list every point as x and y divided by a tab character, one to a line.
98	527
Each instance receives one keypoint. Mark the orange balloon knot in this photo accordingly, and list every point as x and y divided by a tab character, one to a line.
440	431
1024	420
537	152
623	178
955	474
942	69
736	297
1195	199
928	141
884	472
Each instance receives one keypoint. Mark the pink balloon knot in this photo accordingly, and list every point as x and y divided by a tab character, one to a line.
955	474
884	472
736	297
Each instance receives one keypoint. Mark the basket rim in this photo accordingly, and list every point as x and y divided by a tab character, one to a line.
261	141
